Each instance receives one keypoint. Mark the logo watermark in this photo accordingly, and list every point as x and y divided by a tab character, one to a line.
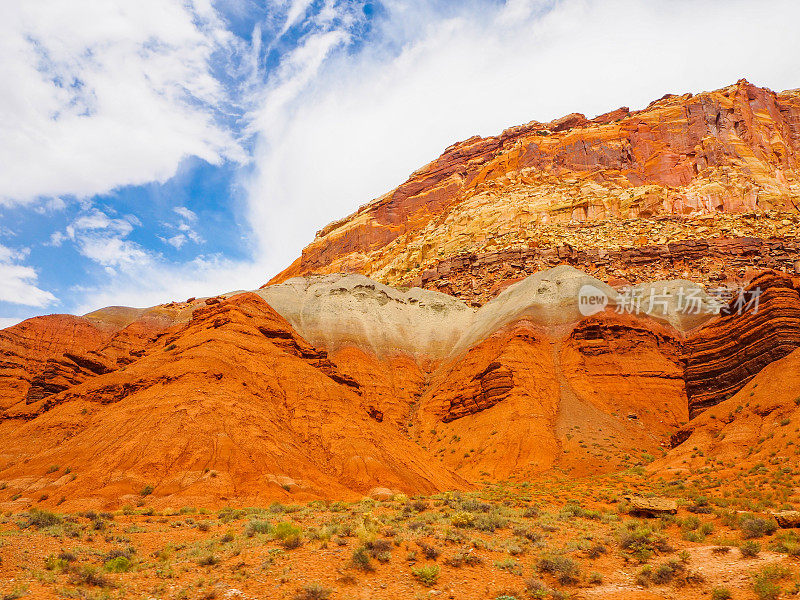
682	299
591	300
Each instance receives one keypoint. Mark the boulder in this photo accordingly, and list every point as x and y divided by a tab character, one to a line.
787	518
651	507
381	493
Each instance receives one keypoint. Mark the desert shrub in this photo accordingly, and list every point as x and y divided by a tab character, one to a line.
765	583
120	564
291	542
750	549
463	557
667	571
313	591
288	535
490	521
596	550
787	542
55	563
208	561
257	526
535	588
641	541
88	575
475	506
41	519
416	505
643	576
563	568
531	512
428	551
462	519
721	593
595	578
361	559
380	549
700	506
427	575
509	565
756	527
146	490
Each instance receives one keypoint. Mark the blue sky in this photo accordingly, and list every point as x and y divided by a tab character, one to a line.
162	149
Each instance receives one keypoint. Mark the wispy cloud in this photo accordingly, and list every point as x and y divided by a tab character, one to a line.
96	95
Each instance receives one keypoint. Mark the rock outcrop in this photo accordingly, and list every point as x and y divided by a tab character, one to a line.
517	340
686	167
762	327
753	426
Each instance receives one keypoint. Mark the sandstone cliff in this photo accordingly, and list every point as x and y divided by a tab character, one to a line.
594	191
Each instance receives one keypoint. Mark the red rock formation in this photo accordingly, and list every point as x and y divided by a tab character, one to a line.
753	426
228	405
726	353
734	150
476	278
524	401
26	348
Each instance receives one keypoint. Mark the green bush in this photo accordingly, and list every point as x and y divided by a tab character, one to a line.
641	541
756	527
361	560
313	591
427	575
667	571
257	526
750	549
41	519
288	535
490	522
787	542
721	593
563	568
120	564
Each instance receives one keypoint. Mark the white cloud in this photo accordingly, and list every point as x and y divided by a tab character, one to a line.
18	283
184	212
153	281
101	239
95	95
176	240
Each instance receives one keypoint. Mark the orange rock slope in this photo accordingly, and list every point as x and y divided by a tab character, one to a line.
332	386
622	180
236	406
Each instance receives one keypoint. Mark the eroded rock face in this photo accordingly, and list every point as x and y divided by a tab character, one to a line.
346	385
751	427
234	391
237	390
727	352
626	179
476	278
27	348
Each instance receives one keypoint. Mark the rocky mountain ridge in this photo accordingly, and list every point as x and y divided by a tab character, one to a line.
686	167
